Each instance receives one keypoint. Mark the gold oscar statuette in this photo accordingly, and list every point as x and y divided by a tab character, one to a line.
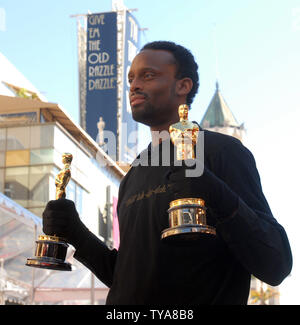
51	251
187	216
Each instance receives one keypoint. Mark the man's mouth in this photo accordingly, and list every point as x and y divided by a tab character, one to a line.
137	100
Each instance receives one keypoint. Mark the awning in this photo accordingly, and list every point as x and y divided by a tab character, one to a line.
8	207
19	229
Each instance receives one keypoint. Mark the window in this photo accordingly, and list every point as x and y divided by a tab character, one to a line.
79	191
41	156
20	118
41	136
2	139
18	138
62	143
39	179
16	184
17	158
2	159
70	191
1	180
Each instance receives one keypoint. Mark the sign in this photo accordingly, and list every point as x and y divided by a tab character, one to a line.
101	74
128	128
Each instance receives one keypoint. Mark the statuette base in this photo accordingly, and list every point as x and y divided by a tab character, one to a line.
50	253
187	221
188	233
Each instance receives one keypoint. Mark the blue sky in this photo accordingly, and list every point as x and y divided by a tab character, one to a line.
258	50
257	47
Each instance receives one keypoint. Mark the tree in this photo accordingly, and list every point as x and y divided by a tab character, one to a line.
261	296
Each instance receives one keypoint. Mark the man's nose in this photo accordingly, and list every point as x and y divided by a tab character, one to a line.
135	84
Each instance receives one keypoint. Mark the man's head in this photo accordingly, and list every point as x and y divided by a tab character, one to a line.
186	66
162	77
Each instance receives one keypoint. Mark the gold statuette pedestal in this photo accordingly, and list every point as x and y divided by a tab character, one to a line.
187	220
51	251
187	216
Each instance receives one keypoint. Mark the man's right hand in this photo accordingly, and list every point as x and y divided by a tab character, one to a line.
60	218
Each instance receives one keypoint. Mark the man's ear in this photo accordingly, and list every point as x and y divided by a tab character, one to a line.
184	86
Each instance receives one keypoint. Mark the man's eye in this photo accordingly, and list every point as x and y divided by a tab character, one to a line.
149	75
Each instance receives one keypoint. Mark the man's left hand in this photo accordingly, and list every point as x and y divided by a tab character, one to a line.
217	195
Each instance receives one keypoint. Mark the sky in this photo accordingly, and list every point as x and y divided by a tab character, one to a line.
251	46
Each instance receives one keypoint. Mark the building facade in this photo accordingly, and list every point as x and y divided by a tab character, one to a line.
32	141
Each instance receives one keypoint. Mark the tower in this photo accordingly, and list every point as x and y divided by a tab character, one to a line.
219	118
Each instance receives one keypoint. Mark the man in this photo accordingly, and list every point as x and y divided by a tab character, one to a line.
145	270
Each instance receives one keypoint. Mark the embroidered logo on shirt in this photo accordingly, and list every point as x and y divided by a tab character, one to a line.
149	193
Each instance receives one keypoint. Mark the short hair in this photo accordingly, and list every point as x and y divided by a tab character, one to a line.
186	64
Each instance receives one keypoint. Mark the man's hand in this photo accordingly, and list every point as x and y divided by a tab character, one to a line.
218	197
60	218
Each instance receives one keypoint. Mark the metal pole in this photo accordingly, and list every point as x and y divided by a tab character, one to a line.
33	270
2	282
92	289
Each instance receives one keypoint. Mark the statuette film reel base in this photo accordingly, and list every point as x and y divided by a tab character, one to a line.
187	221
50	253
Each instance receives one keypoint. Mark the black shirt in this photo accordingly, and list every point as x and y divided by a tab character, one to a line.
145	270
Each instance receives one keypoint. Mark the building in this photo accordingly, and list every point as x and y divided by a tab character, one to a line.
219	118
33	136
13	83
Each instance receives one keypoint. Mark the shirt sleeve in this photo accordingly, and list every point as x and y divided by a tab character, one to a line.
252	234
98	258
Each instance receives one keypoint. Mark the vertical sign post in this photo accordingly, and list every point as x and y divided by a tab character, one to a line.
129	128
